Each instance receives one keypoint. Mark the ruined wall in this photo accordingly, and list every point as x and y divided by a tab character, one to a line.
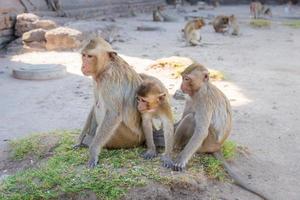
67	8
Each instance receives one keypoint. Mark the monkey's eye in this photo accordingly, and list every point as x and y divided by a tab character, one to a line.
89	56
83	55
186	78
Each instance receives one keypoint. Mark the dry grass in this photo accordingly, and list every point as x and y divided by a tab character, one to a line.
177	64
260	23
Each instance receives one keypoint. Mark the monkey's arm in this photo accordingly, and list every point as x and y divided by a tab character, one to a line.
200	133
104	132
148	131
88	127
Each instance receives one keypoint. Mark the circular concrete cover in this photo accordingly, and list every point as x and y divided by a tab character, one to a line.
39	72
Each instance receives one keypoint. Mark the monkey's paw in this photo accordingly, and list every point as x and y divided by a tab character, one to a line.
77	146
167	162
179	166
149	154
92	163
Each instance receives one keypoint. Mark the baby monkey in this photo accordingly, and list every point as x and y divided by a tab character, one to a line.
153	101
191	31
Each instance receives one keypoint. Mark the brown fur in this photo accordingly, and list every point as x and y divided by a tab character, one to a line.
221	23
191	31
154	101
206	122
233	25
257	10
115	108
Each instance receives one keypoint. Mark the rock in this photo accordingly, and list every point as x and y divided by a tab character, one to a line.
63	38
36	35
45	24
39	72
34	46
7	21
25	22
11	6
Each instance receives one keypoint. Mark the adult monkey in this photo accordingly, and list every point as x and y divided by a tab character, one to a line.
206	122
115	107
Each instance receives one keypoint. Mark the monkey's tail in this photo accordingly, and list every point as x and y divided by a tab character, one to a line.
237	179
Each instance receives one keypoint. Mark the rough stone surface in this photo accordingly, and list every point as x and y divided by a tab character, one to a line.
63	38
45	24
39	72
37	35
25	22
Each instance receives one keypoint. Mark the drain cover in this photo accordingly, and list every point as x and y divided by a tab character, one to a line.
39	72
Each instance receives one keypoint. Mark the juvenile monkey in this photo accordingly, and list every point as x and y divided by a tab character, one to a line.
192	31
115	108
206	121
221	23
234	28
154	101
157	16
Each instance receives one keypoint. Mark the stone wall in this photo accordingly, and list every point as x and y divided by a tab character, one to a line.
67	8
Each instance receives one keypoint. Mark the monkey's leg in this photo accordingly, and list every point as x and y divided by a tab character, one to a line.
151	149
88	126
104	132
195	142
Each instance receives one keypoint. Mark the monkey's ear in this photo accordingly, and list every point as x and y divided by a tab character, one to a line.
205	76
112	54
162	96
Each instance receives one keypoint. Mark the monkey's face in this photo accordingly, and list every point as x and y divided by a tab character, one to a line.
199	23
193	81
225	20
150	103
89	63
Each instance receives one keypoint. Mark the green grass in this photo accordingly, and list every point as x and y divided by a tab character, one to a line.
292	24
64	172
260	23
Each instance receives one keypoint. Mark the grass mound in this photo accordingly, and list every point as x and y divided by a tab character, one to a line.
292	24
64	174
260	23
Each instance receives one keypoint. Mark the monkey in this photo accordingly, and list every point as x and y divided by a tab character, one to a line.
221	23
157	16
216	3
206	121
257	9
154	101
191	31
233	25
115	107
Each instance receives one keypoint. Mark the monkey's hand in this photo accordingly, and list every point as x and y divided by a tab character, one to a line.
179	165
80	145
92	162
167	162
149	154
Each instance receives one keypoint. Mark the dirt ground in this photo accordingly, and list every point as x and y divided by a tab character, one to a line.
262	82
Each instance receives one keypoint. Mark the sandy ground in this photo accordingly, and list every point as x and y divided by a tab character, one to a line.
262	70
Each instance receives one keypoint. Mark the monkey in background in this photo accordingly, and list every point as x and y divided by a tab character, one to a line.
257	9
234	28
154	101
206	122
221	23
157	16
191	31
115	109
